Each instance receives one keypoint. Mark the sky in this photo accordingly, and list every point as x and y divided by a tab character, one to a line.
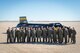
40	10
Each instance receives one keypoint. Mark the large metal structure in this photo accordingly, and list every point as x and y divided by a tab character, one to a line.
24	23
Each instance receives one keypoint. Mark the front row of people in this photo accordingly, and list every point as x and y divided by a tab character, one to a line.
47	35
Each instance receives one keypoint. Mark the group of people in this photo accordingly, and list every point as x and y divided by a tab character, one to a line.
41	34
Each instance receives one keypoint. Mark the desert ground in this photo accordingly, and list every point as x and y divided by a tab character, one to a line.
37	48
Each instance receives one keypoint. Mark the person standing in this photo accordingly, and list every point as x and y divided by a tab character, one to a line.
33	34
26	31
47	28
49	34
70	32
65	35
38	33
60	35
54	35
17	32
23	35
8	35
28	34
44	35
12	35
18	35
73	36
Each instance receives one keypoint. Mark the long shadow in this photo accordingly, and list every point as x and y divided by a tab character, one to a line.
41	43
4	33
3	43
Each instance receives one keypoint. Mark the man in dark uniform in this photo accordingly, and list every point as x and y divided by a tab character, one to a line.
8	35
44	35
70	32
60	35
54	35
12	35
38	33
28	32
15	35
17	32
19	35
42	32
31	35
33	32
49	34
23	35
73	36
65	35
63	31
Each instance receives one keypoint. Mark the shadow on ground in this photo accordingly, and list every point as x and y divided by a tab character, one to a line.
36	43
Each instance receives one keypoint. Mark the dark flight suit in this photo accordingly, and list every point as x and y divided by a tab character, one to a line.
44	35
15	35
70	32
49	35
17	32
73	37
28	35
54	36
38	34
23	35
19	36
26	31
8	36
33	32
31	35
63	32
65	35
12	36
60	35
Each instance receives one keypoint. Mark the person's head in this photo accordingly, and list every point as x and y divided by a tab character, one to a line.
66	29
33	28
39	28
17	28
44	28
63	27
9	28
60	28
49	28
53	27
22	28
28	28
12	28
69	27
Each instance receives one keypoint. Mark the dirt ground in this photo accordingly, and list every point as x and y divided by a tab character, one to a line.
37	48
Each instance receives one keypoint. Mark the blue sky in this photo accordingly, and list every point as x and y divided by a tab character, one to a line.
40	10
